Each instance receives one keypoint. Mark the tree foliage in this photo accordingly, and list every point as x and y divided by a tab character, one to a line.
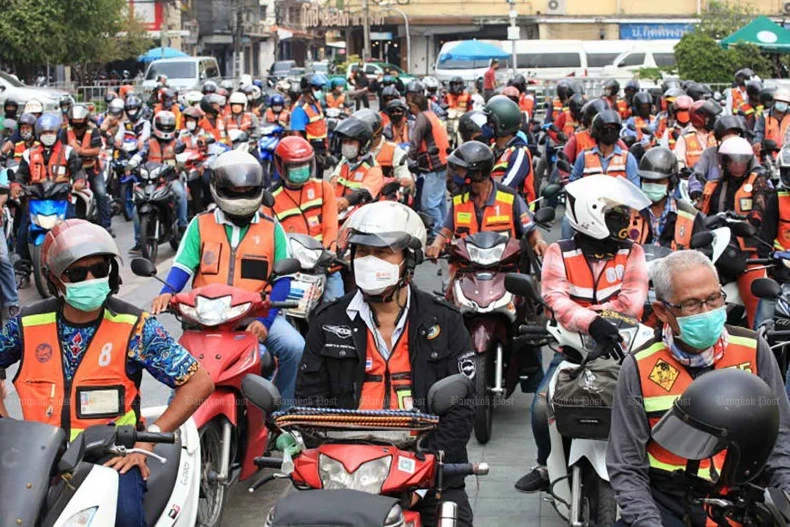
721	19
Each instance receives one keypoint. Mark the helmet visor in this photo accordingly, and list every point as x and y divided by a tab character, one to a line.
683	439
394	240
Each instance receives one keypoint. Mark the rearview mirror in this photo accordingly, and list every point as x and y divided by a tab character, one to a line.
522	285
427	220
286	266
766	288
544	215
447	393
551	191
743	229
261	393
267	200
701	240
143	267
180	148
210	140
564	166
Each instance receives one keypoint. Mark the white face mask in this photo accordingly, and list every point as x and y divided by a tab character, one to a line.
191	125
48	139
374	275
350	152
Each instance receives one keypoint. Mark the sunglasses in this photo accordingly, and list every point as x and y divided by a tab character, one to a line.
79	274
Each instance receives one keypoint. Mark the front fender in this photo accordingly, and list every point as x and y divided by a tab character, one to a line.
220	402
594	451
483	331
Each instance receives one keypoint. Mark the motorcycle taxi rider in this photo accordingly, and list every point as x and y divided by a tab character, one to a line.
599	268
398	332
693	340
106	343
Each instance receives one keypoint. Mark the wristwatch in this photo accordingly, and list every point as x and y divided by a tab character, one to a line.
153	429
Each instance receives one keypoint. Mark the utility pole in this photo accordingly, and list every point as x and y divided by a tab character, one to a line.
366	30
237	34
513	34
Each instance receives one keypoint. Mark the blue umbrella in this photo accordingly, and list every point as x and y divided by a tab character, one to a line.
160	53
474	50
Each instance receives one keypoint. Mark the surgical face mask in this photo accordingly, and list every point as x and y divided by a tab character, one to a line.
191	125
318	95
48	139
780	107
88	295
701	331
374	275
131	114
609	136
299	175
654	191
349	151
27	135
277	109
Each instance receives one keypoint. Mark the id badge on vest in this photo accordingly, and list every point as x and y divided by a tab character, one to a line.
98	402
745	204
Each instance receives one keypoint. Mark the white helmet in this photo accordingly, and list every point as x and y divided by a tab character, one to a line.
116	106
591	197
238	97
388	224
193	97
245	80
782	94
430	83
233	170
283	86
735	149
34	106
256	93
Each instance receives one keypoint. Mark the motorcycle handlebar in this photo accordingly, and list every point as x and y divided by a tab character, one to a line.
778	333
285	304
464	469
156	437
268	462
531	330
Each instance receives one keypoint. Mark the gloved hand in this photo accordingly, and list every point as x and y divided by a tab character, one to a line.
608	339
359	196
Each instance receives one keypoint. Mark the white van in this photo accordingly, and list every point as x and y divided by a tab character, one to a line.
644	54
468	70
551	58
183	74
602	53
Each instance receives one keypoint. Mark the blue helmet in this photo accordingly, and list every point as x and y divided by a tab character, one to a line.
312	82
49	122
276	100
337	81
258	83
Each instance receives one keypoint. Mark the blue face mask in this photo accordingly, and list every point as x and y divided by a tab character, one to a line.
701	331
299	175
88	295
780	107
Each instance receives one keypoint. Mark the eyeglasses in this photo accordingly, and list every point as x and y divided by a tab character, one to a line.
79	274
694	306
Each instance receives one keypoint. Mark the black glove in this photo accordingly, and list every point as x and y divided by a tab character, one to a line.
608	338
359	196
563	138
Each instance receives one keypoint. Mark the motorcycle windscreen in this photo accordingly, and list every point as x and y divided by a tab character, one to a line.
683	440
347	508
27	453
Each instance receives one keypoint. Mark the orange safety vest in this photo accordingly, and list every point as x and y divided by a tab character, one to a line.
616	167
664	379
157	154
570	125
556	106
775	130
56	170
694	147
782	241
248	266
584	141
87	162
316	124
232	122
744	201
500	169
101	391
401	136
622	108
746	109
299	210
640	228
385	159
640	123
461	101
582	285
439	139
335	101
526	103
737	99
662	125
349	183
498	217
217	130
387	382
20	147
385	119
282	118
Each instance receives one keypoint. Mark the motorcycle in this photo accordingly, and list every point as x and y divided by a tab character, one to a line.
776	330
193	165
453	117
156	207
270	135
126	178
579	421
307	285
47	206
49	482
85	205
231	432
365	463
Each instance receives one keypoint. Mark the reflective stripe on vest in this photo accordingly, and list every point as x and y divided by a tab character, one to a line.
640	229
232	123
57	170
347	183
100	392
663	380
694	147
498	217
582	285
335	101
248	266
166	155
616	166
440	141
782	241
301	217
387	382
316	124
737	98
775	130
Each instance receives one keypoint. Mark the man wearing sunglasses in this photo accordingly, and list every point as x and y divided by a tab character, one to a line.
90	348
692	340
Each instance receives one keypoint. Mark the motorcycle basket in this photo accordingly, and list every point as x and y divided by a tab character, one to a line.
341	419
582	399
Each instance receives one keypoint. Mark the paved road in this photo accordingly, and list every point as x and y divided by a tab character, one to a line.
510	453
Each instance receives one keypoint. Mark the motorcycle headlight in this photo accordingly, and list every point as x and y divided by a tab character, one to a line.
485	256
82	519
369	477
307	257
213	311
46	221
395	517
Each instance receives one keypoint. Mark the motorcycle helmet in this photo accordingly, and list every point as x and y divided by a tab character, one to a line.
575	105
415	86
116	108
631	88
726	124
109	97
611	88
767	96
192	98
564	89
577	86
511	92
711	417
431	84
66	102
206	105
132	107
519	82
781	100
292	155
735	156
372	118
10	108
673	93
396	107
34	106
643	104
658	163
79	115
591	109
695	90
221	96
47	128
209	87
704	113
753	89
238	98
475	158
277	100
742	75
504	115
681	109
456	85
310	83
358	130
226	84
237	185
164	125
388	94
72	240
594	200
602	120
191	113
472	126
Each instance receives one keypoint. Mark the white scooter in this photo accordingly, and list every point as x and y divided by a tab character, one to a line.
83	491
579	482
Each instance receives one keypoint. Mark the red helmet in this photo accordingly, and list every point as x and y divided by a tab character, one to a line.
294	151
683	102
703	114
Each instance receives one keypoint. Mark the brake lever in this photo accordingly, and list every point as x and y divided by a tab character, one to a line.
122	451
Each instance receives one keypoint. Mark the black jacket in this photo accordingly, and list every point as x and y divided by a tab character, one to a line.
333	364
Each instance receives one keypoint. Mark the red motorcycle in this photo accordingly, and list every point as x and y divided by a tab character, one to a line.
231	432
366	463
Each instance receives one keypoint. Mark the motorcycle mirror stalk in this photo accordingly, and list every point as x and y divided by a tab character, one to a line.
145	268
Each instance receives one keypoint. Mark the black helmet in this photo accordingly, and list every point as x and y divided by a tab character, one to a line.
389	93
602	119
28	119
456	85
753	89
611	88
471	124
744	74
10	106
415	86
564	89
727	409
726	123
504	115
66	101
372	118
354	128
396	105
673	92
658	163
591	109
631	87
205	105
475	157
209	87
767	96
695	90
231	171
640	100
575	105
519	82
577	87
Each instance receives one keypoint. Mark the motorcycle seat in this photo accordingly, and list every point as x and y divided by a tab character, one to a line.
162	480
